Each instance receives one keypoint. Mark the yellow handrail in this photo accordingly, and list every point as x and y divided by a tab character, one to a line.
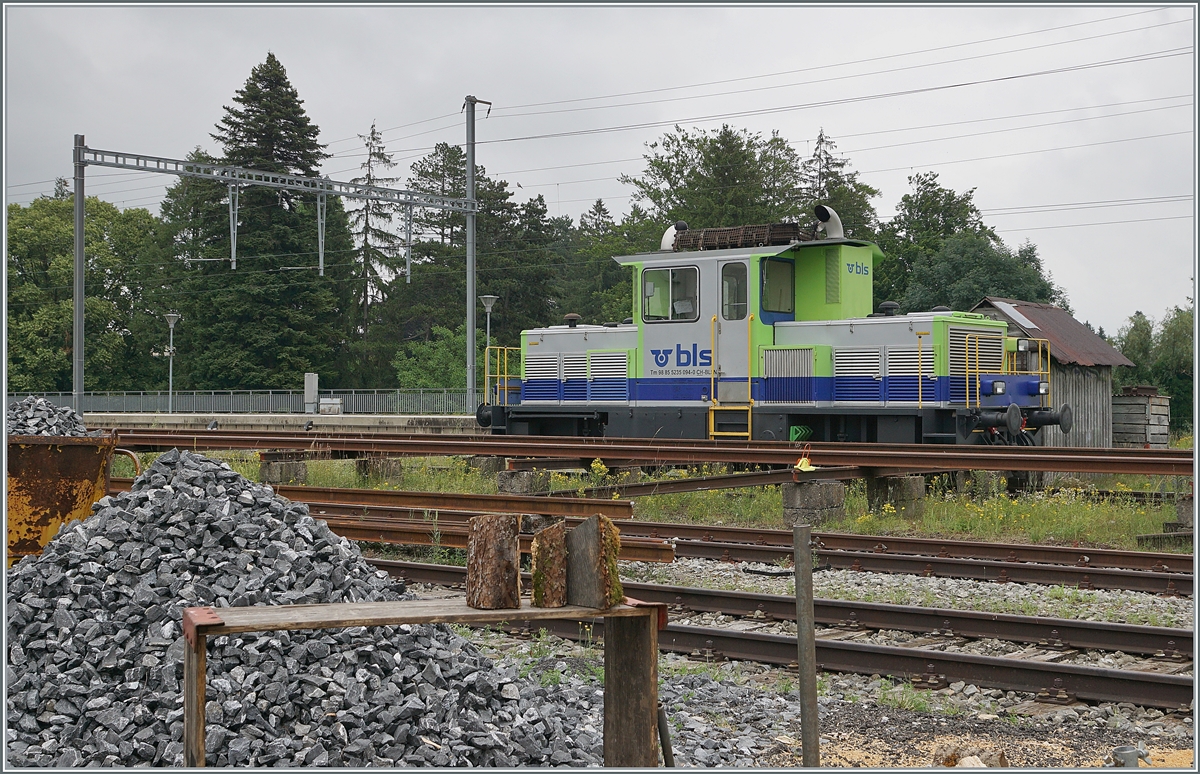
920	368
712	364
749	361
501	375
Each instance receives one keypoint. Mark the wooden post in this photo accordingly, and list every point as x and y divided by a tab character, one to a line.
806	646
193	699
631	690
494	562
592	549
550	566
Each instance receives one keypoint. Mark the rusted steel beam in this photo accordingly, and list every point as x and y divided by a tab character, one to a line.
437	501
891	456
455	536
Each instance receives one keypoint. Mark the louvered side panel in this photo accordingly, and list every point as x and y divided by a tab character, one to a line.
788	376
901	379
856	375
608	376
543	378
574	368
981	353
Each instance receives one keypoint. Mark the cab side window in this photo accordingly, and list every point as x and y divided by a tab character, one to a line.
671	294
778	286
733	291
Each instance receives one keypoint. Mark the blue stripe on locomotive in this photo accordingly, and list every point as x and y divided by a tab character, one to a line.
1022	390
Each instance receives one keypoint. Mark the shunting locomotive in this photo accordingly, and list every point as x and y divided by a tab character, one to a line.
770	333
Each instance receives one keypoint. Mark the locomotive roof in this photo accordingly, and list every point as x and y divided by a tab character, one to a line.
670	256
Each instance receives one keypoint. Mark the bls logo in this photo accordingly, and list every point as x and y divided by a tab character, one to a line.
684	358
858	268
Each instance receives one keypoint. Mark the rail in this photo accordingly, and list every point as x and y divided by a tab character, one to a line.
925	667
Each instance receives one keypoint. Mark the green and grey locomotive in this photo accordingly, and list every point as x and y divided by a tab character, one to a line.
768	333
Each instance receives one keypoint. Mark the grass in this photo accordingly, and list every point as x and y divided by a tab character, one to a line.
903	696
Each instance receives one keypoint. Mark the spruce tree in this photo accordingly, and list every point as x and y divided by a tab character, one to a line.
263	325
370	220
825	179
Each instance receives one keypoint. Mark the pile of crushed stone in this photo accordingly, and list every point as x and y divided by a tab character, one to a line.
38	416
95	646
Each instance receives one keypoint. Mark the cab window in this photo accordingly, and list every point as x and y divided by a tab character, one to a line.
671	294
778	286
733	291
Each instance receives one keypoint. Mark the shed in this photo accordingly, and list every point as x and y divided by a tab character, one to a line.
1081	365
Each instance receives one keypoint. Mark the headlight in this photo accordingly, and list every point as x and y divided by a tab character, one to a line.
1023	345
1043	388
997	387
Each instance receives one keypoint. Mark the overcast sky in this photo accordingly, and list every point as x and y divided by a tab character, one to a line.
1108	142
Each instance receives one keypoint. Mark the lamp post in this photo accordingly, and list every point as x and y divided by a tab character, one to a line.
172	318
488	303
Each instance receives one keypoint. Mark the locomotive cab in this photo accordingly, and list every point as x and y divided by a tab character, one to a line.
758	333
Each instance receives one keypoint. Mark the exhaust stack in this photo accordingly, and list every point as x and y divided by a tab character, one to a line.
668	240
830	223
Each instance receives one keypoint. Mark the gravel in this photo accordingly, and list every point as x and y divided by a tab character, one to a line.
95	647
1021	599
38	416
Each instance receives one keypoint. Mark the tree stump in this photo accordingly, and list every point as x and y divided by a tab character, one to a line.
550	566
592	577
494	562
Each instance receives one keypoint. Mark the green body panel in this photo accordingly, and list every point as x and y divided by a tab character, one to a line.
816	289
636	371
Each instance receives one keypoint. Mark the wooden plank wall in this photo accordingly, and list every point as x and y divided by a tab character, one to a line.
1141	419
1088	389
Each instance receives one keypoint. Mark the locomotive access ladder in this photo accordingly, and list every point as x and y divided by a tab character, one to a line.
715	409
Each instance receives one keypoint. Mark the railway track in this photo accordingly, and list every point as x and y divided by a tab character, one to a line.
890	457
418	518
925	666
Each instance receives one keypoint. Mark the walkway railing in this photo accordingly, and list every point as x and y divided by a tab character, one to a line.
447	401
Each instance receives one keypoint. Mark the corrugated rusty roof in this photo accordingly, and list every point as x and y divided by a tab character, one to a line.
1070	340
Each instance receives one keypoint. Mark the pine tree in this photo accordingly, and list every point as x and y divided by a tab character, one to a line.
369	226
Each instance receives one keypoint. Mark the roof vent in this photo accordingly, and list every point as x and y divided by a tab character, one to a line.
889	308
940	309
572	319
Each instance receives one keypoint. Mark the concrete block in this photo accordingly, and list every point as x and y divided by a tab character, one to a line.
904	493
390	469
523	481
486	465
1185	510
814	494
812	516
290	472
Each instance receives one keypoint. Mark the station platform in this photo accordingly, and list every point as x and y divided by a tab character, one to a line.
420	424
